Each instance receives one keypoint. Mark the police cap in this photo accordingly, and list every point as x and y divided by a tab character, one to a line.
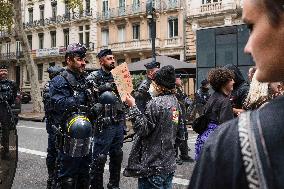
104	52
3	66
152	65
76	49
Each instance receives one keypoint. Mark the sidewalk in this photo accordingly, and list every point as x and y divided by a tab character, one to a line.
31	116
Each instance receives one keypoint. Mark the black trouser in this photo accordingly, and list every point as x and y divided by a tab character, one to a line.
5	120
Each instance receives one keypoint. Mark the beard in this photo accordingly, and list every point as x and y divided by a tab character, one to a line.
109	67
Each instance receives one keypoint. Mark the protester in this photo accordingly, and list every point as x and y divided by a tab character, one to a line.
152	158
218	108
228	159
241	88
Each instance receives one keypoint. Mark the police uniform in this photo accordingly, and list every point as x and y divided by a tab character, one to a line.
141	95
109	134
8	93
68	94
48	108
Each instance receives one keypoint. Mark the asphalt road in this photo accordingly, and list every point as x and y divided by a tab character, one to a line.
32	173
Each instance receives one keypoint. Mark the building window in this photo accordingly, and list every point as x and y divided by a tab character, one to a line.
105	37
66	37
41	12
136	31
105	6
53	38
84	35
31	15
88	6
173	27
18	48
8	48
121	33
210	1
121	8
40	71
28	75
54	9
40	40
30	40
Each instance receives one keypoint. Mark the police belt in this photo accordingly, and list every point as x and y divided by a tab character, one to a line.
110	115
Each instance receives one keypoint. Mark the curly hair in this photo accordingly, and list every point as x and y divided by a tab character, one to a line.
218	77
162	90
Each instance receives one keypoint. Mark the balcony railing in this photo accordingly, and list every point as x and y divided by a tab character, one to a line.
214	8
6	33
8	56
171	42
59	19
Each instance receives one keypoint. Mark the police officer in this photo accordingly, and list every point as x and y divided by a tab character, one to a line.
182	137
108	138
48	108
8	93
142	95
68	95
201	96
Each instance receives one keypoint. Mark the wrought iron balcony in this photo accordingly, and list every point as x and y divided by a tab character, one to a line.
8	56
5	33
59	19
129	10
170	4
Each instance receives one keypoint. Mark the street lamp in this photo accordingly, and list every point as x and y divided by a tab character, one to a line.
150	12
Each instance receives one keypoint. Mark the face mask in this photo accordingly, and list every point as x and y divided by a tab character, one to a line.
152	91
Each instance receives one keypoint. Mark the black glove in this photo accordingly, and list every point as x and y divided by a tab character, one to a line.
97	109
106	87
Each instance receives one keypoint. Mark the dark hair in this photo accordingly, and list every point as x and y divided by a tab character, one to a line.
274	8
218	77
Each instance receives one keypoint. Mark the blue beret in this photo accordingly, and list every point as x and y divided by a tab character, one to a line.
152	65
104	52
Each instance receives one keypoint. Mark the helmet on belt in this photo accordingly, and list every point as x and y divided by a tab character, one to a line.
108	97
78	133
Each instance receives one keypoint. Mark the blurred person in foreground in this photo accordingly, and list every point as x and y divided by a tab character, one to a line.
152	158
228	159
218	108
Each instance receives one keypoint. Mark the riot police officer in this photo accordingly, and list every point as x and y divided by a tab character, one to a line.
108	138
8	93
182	137
48	108
142	95
69	95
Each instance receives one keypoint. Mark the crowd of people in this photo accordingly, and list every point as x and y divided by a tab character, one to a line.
240	146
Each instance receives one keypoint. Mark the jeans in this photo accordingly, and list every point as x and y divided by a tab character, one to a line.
163	181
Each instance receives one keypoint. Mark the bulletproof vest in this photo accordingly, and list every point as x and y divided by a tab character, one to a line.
78	85
110	99
7	90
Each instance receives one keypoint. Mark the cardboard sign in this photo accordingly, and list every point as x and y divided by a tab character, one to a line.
123	80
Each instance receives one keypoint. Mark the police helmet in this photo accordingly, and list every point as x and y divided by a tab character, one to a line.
54	71
78	133
108	97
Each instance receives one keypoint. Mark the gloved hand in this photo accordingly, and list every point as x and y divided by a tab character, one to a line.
106	87
97	109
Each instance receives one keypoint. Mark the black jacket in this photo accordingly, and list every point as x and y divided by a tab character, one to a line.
153	151
219	108
141	95
241	87
220	164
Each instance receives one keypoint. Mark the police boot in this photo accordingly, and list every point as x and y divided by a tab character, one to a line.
83	182
184	152
67	183
97	172
51	175
114	170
